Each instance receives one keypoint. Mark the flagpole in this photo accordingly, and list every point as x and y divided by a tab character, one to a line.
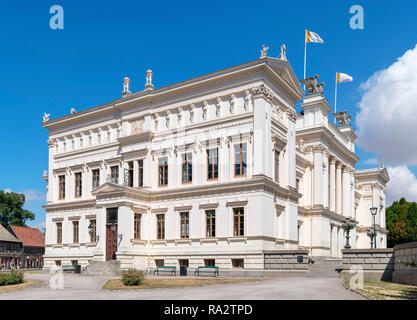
305	52
335	98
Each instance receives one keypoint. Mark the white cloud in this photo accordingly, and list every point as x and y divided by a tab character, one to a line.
403	183
371	161
387	120
7	190
31	195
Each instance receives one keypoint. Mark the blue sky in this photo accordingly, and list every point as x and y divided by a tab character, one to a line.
45	70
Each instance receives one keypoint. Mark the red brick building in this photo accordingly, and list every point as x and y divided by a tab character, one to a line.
33	245
10	249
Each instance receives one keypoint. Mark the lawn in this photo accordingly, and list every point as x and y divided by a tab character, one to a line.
383	290
153	283
28	283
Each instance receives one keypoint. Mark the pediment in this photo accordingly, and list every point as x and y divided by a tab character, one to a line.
108	187
285	71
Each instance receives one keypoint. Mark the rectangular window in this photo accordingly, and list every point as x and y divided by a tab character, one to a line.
75	231
59	232
93	231
210	262
163	171
187	168
130	174
140	172
212	164
238	263
160	224
238	222
240	159
78	184
96	178
137	225
115	174
61	187
210	223
276	166
159	263
185	225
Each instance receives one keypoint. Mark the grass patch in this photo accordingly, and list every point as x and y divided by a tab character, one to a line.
27	283
384	290
117	284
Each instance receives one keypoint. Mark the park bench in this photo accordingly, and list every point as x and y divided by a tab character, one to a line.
206	269
68	268
171	269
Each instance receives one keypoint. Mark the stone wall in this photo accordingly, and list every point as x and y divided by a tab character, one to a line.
375	263
405	270
285	260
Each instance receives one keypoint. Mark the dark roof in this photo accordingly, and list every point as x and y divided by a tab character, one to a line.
31	237
6	235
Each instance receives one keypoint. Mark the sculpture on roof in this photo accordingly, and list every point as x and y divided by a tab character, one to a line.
46	116
342	118
126	84
264	51
283	55
312	85
148	84
73	111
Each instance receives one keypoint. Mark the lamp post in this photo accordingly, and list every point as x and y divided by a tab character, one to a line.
373	213
90	232
347	225
370	233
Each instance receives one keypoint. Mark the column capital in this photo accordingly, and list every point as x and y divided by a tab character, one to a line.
262	92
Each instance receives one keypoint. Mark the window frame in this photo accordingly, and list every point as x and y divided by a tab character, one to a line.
114	174
94	231
140	172
210	230
185	220
215	161
164	166
95	178
130	174
59	232
187	161
241	162
61	187
276	165
137	222
239	215
160	226
76	231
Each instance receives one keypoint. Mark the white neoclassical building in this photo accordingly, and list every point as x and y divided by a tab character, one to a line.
213	170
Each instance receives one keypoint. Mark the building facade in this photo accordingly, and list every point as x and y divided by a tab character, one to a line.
33	246
10	249
215	170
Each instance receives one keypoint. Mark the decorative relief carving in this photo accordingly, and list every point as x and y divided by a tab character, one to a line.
192	112
137	127
232	103
205	109
248	101
218	107
262	92
291	114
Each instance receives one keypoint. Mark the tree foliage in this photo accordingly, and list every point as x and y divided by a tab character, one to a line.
11	209
402	222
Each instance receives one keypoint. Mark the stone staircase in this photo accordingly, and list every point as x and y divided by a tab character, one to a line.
103	268
325	267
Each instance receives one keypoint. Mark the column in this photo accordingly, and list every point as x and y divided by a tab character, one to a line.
333	185
339	188
318	162
346	192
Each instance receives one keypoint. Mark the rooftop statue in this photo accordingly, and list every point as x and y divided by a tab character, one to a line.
46	116
283	55
312	85
342	118
126	84
264	51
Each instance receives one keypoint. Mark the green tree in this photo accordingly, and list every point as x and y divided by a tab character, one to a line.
11	209
402	222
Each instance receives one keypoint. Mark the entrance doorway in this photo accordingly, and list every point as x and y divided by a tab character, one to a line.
111	234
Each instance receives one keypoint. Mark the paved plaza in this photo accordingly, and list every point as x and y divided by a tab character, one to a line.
90	288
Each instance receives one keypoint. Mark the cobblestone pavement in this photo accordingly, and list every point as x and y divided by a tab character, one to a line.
88	287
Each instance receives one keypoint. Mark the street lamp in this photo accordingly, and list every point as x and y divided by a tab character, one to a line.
370	233
90	232
347	225
374	210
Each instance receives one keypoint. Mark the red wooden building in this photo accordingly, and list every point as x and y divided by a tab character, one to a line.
10	249
33	245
